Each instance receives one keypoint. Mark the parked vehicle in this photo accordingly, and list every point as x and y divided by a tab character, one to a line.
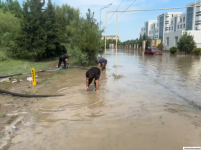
153	51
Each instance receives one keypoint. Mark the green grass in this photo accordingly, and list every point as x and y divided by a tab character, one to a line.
11	66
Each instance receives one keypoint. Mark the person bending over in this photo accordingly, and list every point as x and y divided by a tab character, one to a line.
93	73
101	63
64	59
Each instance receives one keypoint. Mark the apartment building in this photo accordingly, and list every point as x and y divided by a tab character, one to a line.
147	27
170	26
186	22
154	31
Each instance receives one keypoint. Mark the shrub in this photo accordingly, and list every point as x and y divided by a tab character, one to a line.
3	58
160	46
186	43
173	50
81	57
197	51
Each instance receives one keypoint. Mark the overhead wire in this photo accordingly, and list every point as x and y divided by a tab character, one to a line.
154	9
123	11
151	10
116	9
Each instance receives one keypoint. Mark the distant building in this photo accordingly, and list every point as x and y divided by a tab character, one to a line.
147	27
170	26
110	37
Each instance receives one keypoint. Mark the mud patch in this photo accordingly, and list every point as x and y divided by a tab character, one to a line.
11	119
188	111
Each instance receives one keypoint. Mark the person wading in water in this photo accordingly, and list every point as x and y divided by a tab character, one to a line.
93	73
101	63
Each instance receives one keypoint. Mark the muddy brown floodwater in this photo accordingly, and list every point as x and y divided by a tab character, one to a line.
154	105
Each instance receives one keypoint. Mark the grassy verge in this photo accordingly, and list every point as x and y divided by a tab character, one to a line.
12	66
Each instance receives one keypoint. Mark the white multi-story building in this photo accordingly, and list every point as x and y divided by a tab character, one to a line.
170	26
186	22
147	27
154	31
165	23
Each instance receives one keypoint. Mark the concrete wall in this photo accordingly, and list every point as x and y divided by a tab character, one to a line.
172	39
197	37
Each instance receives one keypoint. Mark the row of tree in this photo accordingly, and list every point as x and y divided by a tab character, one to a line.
50	31
137	41
186	43
123	44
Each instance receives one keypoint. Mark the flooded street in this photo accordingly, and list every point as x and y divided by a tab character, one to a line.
155	104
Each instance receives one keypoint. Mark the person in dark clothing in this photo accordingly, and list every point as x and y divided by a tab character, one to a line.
93	73
64	59
102	63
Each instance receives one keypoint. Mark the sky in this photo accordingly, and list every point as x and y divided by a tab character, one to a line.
129	23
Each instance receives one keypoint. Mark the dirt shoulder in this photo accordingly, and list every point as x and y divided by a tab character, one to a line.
14	109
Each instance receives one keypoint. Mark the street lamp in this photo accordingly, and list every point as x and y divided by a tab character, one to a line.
100	12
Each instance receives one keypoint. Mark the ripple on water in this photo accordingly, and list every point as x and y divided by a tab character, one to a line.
75	98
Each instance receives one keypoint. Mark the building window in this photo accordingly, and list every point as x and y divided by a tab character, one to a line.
167	28
198	13
198	22
176	40
183	19
167	41
180	19
178	27
189	18
183	25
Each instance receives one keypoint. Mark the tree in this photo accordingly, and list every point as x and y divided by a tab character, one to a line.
1	4
31	40
51	28
82	36
90	36
9	26
4	7
186	43
11	6
15	8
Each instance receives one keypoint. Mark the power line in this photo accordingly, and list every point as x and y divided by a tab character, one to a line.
123	11
151	10
116	10
154	9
